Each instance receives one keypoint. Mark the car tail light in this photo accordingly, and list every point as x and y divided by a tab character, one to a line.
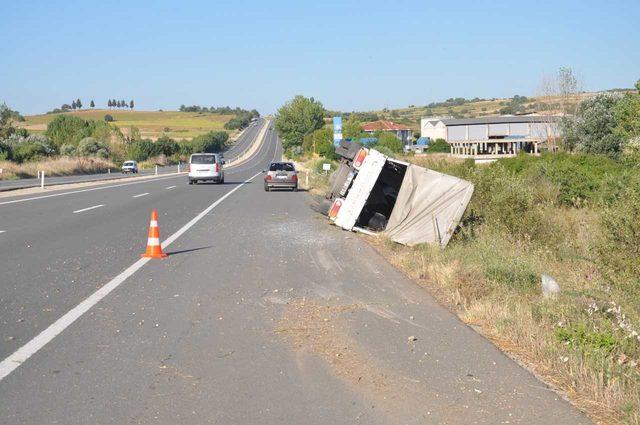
216	168
294	178
357	162
268	177
333	211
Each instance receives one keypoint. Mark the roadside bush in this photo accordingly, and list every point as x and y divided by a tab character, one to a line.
165	145
90	146
439	146
108	118
390	142
504	200
593	128
67	129
212	142
32	147
619	249
67	149
141	150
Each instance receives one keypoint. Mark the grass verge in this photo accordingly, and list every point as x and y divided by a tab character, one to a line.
62	166
575	218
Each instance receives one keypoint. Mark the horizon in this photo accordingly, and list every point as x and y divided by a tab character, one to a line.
253	55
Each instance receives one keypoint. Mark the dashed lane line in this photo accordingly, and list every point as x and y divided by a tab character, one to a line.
89	208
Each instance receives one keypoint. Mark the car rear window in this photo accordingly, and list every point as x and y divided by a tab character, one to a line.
203	159
281	166
128	163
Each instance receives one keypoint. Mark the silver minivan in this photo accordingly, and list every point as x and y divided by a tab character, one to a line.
206	167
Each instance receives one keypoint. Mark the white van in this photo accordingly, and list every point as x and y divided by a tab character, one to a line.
206	167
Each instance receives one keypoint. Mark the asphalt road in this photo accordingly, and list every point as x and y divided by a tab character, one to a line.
262	313
242	143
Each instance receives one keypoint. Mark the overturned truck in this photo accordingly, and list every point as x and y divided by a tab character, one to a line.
373	193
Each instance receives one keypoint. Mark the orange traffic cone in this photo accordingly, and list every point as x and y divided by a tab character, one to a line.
154	250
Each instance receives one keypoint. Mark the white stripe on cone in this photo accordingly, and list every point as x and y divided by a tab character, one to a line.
153	223
153	241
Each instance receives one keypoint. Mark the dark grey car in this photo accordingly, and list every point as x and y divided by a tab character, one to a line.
281	175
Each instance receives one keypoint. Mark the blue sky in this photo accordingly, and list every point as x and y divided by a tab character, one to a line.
350	55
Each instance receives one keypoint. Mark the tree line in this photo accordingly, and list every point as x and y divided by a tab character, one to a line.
77	105
112	103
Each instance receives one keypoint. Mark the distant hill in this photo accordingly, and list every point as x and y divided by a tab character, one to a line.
152	124
472	108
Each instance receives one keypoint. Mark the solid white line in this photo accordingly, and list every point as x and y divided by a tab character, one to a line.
2	231
14	361
140	194
53	195
170	187
87	209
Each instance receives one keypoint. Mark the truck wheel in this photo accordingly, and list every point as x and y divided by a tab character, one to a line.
266	187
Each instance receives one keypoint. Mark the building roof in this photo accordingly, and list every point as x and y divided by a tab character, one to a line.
383	125
499	120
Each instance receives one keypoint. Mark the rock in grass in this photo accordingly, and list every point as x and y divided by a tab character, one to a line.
549	286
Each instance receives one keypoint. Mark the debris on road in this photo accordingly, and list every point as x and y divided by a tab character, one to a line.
373	193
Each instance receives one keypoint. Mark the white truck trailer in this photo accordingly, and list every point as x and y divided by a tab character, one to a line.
373	193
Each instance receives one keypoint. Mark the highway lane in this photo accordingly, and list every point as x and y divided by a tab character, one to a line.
237	148
52	255
265	314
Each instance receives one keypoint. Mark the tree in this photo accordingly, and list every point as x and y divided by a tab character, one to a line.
74	105
352	128
123	103
119	104
93	147
79	104
562	86
68	129
591	129
92	104
109	103
6	123
297	118
131	104
627	113
389	141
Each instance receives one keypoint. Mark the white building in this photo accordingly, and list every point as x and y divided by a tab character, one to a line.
492	136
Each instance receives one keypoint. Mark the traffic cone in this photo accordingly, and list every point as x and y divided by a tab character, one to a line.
154	250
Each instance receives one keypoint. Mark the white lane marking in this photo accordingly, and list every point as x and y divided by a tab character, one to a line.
87	209
170	187
140	194
2	231
23	353
53	195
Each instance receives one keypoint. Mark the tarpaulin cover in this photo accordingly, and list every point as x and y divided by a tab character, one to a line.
429	207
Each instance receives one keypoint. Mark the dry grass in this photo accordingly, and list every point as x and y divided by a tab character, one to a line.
62	166
522	322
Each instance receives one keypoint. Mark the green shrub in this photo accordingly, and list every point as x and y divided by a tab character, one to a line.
579	336
390	141
141	150
439	145
108	118
211	142
68	129
619	250
90	146
67	149
165	145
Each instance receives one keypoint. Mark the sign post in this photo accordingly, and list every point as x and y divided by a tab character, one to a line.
337	130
